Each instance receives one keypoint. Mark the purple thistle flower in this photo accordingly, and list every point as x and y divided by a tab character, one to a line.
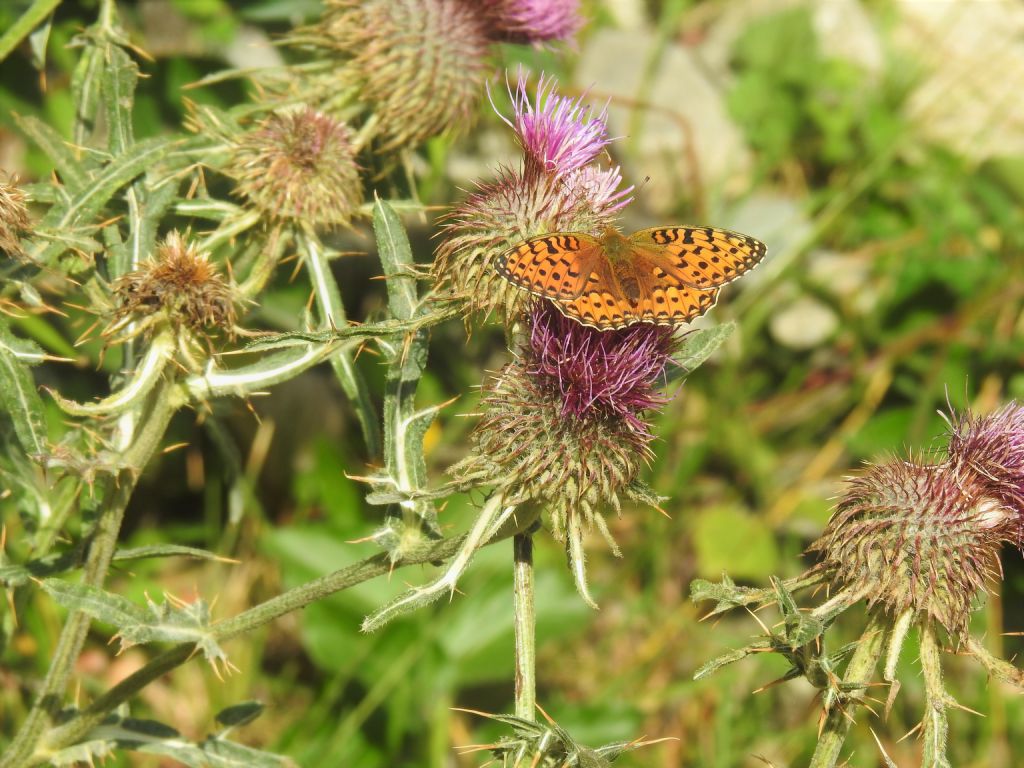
992	447
532	21
600	187
598	373
561	134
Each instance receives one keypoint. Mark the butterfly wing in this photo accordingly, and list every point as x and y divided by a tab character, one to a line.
660	304
557	266
699	257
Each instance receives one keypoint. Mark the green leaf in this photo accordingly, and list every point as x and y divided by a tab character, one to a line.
168	550
18	393
404	424
154	738
240	714
65	160
697	346
86	86
172	621
396	259
29	20
119	79
85	206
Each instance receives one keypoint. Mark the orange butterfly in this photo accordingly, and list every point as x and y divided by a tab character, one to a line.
664	275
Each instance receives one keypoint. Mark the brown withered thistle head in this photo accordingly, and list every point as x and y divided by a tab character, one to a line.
180	285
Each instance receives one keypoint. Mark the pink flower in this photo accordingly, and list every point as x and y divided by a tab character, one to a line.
598	374
561	134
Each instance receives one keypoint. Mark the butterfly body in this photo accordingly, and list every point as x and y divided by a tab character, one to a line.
664	275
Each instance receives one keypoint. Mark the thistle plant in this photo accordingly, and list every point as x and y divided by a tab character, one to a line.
917	544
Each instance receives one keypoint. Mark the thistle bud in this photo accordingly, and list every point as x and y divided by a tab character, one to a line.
299	165
919	537
419	64
180	286
14	219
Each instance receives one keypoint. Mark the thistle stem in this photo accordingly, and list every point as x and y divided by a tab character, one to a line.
103	542
81	723
936	726
862	665
525	626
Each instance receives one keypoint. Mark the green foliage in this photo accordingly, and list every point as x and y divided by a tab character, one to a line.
911	245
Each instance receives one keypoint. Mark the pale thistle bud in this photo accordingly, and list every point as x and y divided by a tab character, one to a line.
299	165
419	64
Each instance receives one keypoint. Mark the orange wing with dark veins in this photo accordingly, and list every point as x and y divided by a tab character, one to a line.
662	305
556	266
701	257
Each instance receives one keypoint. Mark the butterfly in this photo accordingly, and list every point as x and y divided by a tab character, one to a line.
664	275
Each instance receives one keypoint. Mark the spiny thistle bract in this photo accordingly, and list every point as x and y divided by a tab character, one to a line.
299	165
14	218
558	188
179	286
564	423
419	64
917	537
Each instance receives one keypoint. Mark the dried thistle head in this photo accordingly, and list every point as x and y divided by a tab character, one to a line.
564	424
179	285
14	218
419	64
299	165
922	537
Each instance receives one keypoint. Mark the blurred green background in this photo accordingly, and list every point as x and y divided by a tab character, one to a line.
876	147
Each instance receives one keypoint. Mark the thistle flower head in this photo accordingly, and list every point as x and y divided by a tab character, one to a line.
593	374
557	190
992	447
299	165
419	64
495	218
532	21
14	218
559	133
563	423
180	285
917	537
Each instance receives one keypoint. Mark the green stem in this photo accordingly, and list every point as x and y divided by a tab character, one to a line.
103	542
78	727
858	672
525	626
936	726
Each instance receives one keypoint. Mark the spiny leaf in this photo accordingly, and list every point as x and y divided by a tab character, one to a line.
396	259
18	393
172	621
72	170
